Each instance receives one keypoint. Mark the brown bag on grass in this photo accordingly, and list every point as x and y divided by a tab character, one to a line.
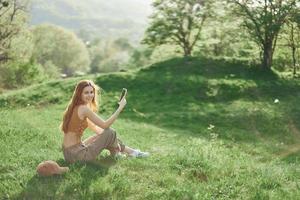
49	168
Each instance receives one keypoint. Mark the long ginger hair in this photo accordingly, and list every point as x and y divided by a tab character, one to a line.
76	100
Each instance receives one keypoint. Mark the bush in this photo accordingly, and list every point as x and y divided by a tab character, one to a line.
20	74
56	46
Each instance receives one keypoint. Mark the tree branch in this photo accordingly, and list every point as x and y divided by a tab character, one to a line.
249	14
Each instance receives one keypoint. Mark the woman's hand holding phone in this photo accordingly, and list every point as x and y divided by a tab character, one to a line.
122	100
122	103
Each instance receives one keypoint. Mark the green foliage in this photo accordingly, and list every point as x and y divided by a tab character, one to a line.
123	44
287	56
222	35
16	66
177	22
13	18
16	74
264	20
4	3
109	55
60	47
140	57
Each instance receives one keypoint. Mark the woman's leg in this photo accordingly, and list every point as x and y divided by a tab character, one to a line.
135	152
90	139
75	153
106	140
128	150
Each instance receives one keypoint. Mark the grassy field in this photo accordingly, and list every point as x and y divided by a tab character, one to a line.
211	126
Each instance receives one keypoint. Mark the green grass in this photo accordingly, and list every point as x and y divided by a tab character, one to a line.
252	151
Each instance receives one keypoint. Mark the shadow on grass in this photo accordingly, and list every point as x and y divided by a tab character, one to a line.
208	80
174	94
73	184
292	157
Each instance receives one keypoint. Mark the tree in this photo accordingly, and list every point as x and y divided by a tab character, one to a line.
18	73
109	55
222	35
12	18
177	22
57	46
16	67
264	19
140	57
293	39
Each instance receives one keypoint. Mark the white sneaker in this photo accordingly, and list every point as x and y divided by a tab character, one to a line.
119	156
139	154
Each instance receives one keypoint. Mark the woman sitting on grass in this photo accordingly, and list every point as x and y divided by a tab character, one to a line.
80	114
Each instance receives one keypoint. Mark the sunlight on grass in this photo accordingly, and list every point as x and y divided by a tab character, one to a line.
209	138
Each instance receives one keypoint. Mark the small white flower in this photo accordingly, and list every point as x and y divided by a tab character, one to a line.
276	101
210	127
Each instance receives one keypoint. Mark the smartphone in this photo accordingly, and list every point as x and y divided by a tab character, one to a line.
124	93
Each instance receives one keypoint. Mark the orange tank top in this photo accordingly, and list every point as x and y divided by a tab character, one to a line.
76	124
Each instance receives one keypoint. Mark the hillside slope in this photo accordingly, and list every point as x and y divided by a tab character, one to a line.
197	92
213	128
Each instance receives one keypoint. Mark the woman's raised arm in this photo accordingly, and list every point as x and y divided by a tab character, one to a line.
93	117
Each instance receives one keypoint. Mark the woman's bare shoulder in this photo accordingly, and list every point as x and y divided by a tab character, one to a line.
82	109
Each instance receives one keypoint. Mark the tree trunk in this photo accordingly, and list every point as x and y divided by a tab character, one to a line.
293	46
294	61
187	51
267	56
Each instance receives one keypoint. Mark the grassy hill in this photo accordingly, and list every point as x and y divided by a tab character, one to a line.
212	127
